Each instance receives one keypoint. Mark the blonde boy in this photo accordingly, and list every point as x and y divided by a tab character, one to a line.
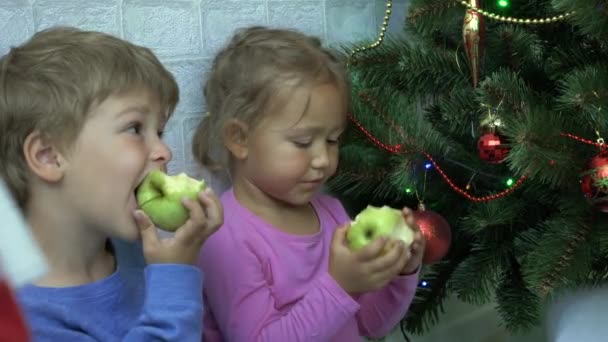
81	121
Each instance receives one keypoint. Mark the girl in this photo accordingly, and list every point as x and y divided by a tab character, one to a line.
279	269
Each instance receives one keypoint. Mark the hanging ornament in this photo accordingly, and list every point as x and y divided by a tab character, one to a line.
436	231
491	145
473	33
594	181
491	148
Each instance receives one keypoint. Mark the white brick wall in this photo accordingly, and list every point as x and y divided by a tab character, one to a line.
186	33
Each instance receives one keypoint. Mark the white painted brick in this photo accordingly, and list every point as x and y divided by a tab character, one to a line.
189	75
350	20
95	15
222	18
169	28
189	125
16	24
173	138
305	16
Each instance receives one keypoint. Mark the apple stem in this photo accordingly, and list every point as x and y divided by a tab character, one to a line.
421	206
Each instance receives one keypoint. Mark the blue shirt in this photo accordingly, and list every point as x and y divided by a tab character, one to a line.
160	302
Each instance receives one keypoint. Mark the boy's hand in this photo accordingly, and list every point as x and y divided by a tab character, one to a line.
416	250
206	216
366	269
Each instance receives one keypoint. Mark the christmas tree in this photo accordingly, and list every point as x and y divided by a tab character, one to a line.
492	114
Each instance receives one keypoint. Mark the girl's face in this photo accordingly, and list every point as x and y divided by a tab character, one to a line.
294	149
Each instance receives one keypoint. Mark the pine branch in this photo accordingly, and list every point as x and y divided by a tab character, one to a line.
585	91
591	16
537	149
492	218
515	48
558	255
428	302
517	305
432	72
475	276
426	16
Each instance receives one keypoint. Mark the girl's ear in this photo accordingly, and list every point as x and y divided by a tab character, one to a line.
236	138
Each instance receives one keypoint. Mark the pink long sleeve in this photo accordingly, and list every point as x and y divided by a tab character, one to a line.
246	309
382	310
262	284
265	285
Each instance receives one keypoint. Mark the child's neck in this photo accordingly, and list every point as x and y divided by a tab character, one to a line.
76	254
292	219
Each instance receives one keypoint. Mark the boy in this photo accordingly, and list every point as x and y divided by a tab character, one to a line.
81	120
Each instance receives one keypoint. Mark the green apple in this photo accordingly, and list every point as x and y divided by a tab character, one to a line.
160	197
374	222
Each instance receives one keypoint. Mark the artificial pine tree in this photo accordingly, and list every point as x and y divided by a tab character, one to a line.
492	113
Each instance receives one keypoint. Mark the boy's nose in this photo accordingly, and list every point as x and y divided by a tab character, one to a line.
161	154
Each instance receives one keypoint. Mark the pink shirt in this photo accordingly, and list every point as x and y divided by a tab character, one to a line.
262	284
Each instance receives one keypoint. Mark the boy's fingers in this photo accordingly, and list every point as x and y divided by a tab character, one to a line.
147	229
213	207
191	230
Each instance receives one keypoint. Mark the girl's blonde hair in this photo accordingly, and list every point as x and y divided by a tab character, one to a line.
258	64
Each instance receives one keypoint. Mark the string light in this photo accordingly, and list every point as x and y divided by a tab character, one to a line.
394	150
424	283
503	3
408	190
428	165
510	182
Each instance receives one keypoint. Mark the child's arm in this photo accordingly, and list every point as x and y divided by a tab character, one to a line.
238	291
381	310
171	310
173	306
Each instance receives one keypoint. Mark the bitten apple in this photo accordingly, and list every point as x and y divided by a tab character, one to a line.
160	197
374	222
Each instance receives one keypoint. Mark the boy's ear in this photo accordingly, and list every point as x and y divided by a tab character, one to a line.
43	158
235	138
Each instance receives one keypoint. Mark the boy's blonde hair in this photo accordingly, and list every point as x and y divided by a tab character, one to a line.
258	65
50	83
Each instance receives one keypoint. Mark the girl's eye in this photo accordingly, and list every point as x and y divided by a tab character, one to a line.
302	144
161	133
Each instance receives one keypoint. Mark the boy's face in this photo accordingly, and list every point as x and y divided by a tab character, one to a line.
118	145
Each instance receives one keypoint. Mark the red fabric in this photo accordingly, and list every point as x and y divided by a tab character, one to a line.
12	326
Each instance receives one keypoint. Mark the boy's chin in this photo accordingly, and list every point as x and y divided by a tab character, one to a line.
129	233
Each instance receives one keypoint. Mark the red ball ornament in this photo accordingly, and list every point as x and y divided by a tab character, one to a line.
437	232
594	181
492	148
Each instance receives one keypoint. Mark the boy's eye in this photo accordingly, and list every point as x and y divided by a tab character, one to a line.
134	128
160	133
